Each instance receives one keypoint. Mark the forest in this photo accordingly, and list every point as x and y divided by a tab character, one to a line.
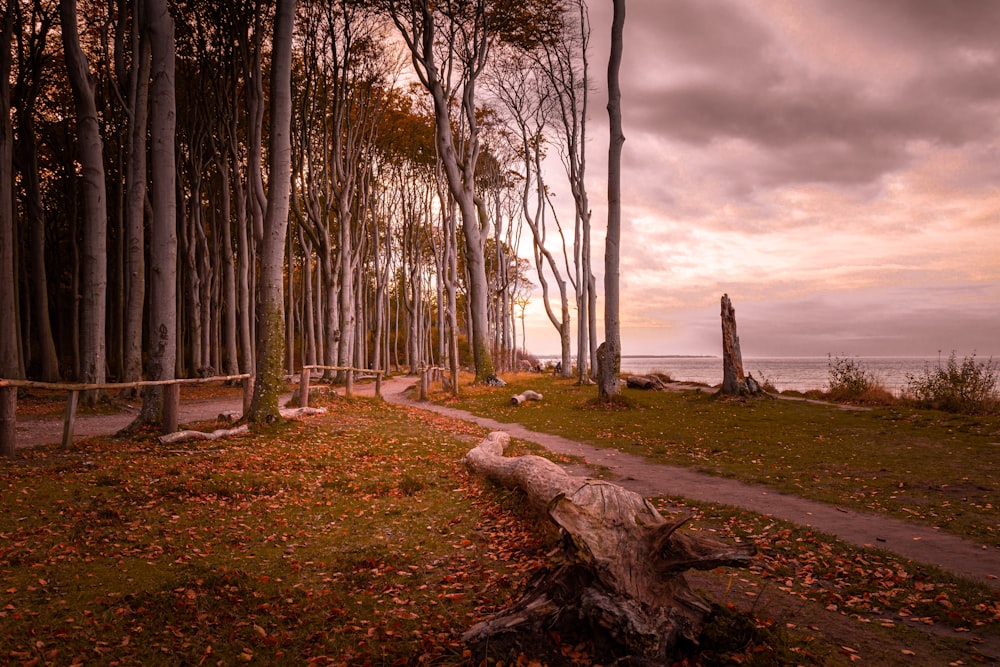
202	188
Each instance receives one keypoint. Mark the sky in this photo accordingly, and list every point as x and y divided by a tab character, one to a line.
832	165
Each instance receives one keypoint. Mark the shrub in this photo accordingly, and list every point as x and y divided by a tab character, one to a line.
966	387
849	378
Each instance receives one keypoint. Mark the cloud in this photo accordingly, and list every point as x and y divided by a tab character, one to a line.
831	164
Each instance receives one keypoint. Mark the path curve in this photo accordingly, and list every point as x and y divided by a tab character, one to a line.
918	543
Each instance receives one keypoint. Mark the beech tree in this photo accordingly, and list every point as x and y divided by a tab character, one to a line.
609	363
137	101
161	347
563	59
465	30
526	94
270	302
90	146
9	354
32	45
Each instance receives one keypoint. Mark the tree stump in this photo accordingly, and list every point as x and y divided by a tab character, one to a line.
528	395
734	381
621	565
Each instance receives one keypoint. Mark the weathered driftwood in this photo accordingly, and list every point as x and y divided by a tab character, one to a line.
187	435
734	381
649	382
621	566
528	395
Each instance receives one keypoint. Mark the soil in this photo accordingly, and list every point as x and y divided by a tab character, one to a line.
927	545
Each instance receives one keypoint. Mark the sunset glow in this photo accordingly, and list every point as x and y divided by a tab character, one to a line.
833	166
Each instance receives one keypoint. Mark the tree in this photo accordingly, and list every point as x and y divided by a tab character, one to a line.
9	359
270	304
526	93
9	366
94	269
564	61
161	345
609	385
32	58
137	101
468	37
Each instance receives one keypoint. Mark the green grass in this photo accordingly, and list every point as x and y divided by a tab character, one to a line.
929	467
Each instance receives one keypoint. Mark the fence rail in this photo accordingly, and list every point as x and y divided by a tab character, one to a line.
171	401
305	378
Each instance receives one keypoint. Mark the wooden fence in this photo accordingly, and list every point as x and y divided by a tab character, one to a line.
305	378
171	401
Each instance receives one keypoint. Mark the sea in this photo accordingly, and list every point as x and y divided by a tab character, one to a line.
785	373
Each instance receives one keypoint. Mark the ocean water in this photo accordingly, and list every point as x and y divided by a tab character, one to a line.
785	373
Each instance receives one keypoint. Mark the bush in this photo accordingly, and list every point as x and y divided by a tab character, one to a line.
969	387
849	379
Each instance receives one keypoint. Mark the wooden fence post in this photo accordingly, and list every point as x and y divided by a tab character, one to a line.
171	405
349	384
8	420
70	420
423	384
304	387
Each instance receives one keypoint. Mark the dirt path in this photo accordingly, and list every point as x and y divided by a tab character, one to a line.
34	431
922	544
918	543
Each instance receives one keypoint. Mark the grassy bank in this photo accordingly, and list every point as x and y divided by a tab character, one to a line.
934	468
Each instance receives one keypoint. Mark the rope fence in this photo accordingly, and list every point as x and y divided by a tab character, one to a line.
171	399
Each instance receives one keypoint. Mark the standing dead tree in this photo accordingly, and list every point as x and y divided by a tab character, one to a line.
734	381
621	566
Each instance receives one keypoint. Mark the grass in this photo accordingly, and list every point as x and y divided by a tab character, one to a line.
929	467
358	538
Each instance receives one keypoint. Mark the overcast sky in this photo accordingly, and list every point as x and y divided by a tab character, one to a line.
832	165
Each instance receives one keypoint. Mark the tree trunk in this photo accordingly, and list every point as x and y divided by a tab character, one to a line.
609	384
95	214
270	302
225	241
161	348
31	61
135	201
9	367
734	381
620	570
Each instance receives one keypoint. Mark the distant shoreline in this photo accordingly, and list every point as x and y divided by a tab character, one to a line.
643	356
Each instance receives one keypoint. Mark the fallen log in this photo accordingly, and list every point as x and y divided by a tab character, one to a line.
187	435
648	382
620	569
529	395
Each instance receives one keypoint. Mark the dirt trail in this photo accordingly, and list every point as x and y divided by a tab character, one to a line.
918	543
34	431
922	544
